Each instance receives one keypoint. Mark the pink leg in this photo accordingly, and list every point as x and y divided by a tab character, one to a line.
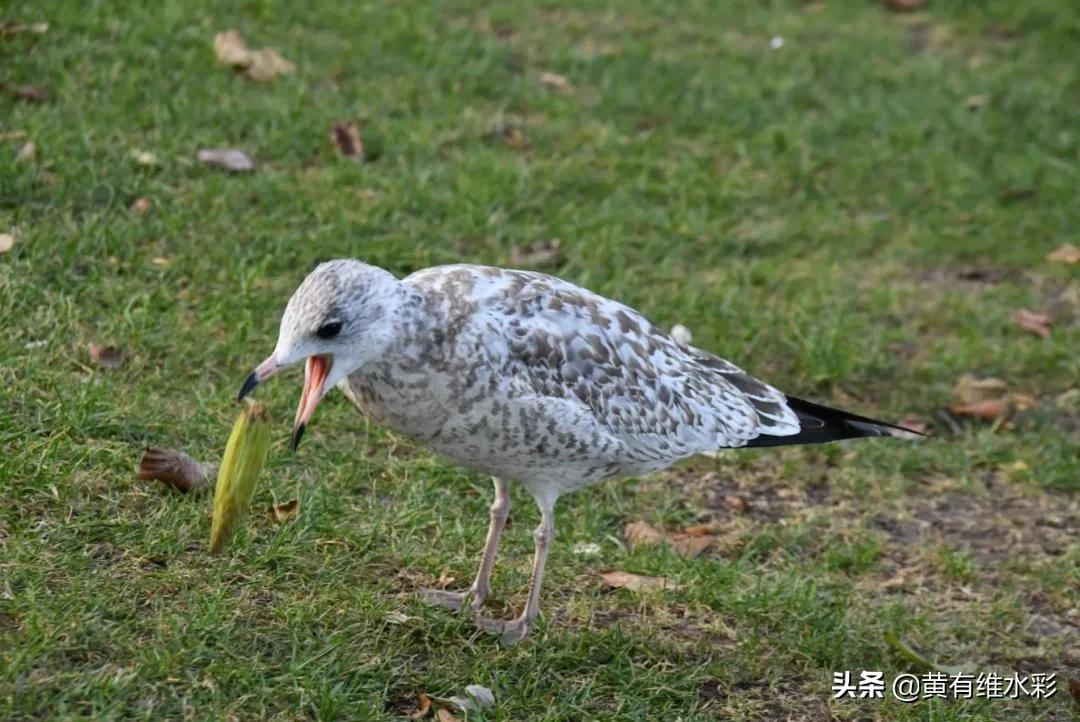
481	586
515	630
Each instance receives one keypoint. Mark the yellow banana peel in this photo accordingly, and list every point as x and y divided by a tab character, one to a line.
245	454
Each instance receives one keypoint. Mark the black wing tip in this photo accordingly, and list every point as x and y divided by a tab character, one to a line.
822	424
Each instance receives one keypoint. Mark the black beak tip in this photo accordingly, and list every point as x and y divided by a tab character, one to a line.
297	434
249	384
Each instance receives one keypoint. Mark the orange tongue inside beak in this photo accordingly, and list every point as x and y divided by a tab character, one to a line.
315	372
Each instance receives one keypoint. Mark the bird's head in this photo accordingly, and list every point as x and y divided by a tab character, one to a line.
337	320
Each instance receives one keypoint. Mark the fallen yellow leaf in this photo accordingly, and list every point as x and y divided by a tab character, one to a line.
245	454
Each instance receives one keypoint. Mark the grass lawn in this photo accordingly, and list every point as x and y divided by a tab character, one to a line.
854	216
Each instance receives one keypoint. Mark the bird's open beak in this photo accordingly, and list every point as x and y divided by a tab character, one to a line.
262	372
315	372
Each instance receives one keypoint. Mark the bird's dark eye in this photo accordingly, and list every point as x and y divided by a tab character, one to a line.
329	329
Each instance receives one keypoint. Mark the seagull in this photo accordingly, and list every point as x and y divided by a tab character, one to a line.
527	378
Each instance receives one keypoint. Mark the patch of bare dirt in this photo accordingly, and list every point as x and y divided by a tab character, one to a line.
791	701
1007	525
756	491
968	278
1061	300
696	628
1003	527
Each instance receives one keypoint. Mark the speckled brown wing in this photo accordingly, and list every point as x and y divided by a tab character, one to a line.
664	400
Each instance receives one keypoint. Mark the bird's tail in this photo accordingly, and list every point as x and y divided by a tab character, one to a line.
820	424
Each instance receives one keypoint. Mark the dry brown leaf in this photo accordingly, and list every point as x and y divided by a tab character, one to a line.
261	65
141	205
970	389
1067	399
9	27
636	582
987	399
229	158
110	357
542	253
1074	690
736	503
690	546
987	409
26	152
445	715
424	706
346	138
1024	402
509	132
1033	321
555	81
1065	253
231	49
903	6
641	533
7	242
516	139
32	93
703	529
176	469
285	511
267	64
